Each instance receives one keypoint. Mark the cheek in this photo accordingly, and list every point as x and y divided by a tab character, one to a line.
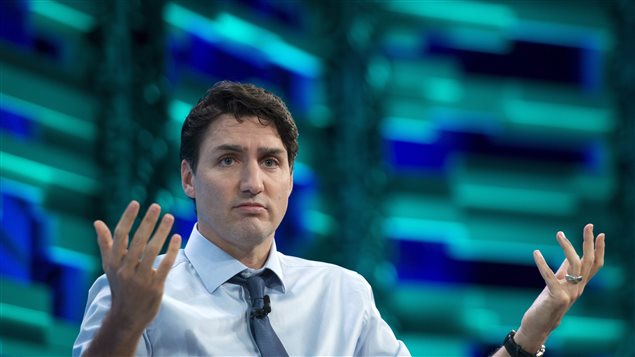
283	198
211	187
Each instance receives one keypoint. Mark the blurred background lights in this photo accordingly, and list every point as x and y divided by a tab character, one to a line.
441	142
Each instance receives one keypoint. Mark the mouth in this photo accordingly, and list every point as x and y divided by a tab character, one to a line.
250	204
251	207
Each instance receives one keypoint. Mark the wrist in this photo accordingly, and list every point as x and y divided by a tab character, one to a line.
114	339
122	327
529	342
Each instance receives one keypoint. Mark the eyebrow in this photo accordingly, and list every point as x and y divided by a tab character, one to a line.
228	147
239	149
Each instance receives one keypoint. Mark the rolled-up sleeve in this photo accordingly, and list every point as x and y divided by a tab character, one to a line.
377	338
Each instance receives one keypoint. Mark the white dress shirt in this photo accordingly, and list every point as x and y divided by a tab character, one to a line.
318	309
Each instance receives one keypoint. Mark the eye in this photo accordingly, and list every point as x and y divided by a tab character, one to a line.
270	163
226	161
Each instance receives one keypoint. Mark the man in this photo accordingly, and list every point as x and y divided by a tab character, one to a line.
229	291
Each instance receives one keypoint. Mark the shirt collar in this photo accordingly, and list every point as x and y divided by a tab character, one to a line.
215	266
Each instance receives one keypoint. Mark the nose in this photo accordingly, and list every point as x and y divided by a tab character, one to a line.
251	178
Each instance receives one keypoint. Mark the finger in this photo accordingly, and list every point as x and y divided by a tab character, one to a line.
120	244
156	243
142	234
104	240
546	272
170	256
598	263
569	252
562	270
588	254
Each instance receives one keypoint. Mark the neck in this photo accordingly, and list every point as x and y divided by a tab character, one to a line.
251	255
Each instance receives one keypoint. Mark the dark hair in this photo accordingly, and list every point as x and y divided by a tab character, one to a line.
239	100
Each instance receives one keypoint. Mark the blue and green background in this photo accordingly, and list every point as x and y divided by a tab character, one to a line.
441	142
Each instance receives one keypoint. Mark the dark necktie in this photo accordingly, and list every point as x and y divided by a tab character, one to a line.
266	339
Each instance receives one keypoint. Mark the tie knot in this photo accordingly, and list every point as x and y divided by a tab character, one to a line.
256	286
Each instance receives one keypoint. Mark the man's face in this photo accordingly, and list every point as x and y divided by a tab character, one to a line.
242	182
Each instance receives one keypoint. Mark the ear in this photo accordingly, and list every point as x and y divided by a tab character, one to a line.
187	179
290	184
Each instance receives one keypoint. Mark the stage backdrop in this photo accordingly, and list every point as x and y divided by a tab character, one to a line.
441	142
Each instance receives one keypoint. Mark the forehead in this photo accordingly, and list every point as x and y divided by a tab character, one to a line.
249	130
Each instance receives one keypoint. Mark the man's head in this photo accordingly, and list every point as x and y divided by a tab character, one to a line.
237	149
240	101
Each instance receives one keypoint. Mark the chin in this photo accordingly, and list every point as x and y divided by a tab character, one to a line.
253	235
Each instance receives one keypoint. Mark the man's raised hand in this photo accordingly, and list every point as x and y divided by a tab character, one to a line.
560	293
136	287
